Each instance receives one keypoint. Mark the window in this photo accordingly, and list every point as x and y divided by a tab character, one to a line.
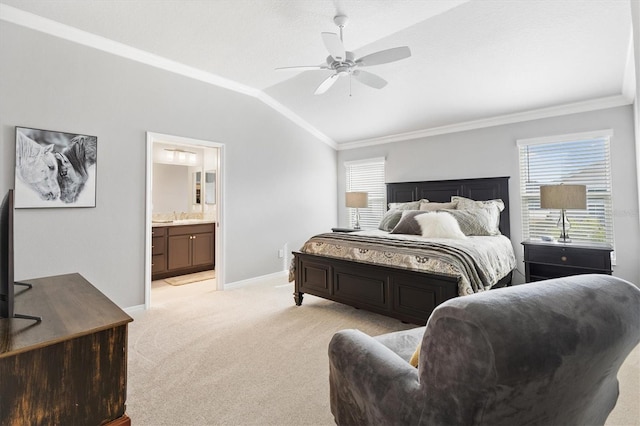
367	176
582	159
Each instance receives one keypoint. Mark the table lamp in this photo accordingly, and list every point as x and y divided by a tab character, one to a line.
563	197
357	200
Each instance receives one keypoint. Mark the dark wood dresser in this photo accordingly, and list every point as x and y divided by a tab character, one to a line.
69	369
544	260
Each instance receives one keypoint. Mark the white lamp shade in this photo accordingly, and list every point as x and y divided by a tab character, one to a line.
357	199
563	197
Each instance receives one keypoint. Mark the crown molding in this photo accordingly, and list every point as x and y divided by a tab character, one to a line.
38	23
573	108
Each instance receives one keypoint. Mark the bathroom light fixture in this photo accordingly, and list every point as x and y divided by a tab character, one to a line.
182	155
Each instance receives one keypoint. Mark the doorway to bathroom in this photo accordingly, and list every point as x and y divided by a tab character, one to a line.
184	216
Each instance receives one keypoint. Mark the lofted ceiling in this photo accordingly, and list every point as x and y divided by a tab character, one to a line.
472	61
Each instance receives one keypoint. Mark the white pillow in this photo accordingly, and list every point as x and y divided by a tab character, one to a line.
439	225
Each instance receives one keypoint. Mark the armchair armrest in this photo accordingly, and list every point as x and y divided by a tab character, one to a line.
369	383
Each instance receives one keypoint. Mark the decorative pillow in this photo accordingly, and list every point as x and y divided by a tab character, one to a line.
475	221
493	207
439	225
390	220
415	357
466	203
430	207
408	224
411	205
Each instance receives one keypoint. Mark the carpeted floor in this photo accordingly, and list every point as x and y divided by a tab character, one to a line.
246	356
249	356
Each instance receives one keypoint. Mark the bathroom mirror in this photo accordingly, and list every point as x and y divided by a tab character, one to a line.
210	187
197	186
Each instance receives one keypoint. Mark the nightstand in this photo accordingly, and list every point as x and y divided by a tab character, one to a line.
345	230
543	260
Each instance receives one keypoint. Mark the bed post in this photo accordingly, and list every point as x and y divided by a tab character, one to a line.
297	294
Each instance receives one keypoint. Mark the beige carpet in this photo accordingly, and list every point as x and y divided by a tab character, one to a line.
191	278
249	356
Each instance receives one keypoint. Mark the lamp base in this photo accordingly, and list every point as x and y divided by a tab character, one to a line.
564	225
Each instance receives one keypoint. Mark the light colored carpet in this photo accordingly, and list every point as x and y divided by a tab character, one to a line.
249	356
191	278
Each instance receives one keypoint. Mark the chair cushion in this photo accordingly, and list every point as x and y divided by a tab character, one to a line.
415	357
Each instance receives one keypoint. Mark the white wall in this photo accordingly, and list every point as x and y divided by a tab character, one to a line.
171	188
493	152
635	22
280	181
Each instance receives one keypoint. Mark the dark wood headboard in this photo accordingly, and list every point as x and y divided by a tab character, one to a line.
441	191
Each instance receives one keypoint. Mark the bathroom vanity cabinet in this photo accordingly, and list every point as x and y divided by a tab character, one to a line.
182	249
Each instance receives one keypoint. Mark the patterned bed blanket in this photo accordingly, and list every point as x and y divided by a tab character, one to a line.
480	262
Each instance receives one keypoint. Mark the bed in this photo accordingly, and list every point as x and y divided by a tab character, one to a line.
401	292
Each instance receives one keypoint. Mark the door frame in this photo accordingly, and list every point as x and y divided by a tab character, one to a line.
152	138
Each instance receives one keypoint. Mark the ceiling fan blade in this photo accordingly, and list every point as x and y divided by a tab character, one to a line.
334	45
305	67
384	56
369	79
326	84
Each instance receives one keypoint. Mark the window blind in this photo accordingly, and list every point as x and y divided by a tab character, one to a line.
367	176
582	159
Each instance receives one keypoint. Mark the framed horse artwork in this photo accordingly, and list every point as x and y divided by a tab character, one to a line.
55	169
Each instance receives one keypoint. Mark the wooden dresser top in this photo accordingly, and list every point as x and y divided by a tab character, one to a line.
69	306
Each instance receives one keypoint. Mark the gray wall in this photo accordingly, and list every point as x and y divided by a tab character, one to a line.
280	181
493	152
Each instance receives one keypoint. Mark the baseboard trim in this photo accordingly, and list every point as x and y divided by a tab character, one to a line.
133	309
255	280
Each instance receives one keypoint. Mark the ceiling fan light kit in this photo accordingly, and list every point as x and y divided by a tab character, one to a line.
343	62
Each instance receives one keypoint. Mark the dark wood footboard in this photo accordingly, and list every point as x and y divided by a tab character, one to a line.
409	296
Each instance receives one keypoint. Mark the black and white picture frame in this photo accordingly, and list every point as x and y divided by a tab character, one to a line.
55	169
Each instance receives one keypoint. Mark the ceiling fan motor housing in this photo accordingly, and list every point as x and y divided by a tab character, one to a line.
342	66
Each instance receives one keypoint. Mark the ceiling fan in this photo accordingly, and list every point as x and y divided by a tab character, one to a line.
343	62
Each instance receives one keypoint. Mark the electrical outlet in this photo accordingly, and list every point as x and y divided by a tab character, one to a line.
280	254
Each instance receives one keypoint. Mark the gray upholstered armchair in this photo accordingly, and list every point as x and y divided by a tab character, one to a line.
545	353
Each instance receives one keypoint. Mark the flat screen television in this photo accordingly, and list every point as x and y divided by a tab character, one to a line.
7	284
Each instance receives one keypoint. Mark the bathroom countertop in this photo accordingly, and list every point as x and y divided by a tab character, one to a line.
158	223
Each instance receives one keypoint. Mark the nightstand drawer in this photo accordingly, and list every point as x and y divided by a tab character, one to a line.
570	257
544	260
